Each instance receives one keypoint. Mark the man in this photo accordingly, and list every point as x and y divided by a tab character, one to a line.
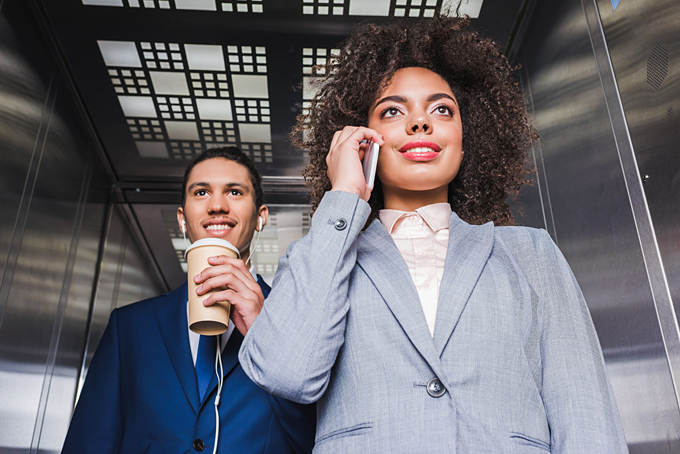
151	386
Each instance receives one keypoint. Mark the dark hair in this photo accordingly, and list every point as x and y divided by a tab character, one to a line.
232	154
496	126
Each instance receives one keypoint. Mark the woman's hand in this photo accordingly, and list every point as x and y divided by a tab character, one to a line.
236	285
344	160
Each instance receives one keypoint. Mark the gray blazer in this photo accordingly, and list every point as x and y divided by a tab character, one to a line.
514	365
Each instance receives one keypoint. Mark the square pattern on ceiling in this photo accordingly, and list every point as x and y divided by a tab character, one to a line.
179	99
228	6
396	8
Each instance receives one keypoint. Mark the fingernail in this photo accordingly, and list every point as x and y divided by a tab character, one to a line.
205	302
199	288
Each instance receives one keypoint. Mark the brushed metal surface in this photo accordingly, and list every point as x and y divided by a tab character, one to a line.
647	70
594	225
124	278
639	201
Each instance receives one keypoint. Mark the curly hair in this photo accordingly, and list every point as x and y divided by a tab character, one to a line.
496	126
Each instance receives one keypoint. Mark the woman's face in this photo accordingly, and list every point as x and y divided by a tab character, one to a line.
418	117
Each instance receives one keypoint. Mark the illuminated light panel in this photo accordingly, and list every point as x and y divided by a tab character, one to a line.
181	130
200	5
169	83
103	2
138	106
470	7
324	7
250	132
205	57
247	86
120	53
152	149
231	6
190	108
369	7
310	86
214	109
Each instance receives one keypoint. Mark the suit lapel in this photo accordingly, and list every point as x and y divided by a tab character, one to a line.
468	251
171	317
379	257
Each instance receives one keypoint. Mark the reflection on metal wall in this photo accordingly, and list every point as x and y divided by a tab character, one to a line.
49	232
54	198
583	201
124	278
647	71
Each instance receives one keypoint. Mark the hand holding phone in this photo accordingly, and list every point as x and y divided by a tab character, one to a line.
370	162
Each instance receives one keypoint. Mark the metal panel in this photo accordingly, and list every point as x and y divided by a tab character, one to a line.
124	278
644	45
35	293
584	188
47	236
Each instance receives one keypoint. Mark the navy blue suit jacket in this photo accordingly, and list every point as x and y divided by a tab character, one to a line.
141	393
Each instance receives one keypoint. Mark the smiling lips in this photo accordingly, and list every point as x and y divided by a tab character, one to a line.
420	150
218	227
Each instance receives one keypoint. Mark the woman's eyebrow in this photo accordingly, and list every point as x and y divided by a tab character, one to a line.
437	96
403	99
395	98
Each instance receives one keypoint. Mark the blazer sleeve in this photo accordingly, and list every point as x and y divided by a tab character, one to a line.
576	393
293	343
96	423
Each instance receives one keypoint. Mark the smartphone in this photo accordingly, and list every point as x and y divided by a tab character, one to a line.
371	162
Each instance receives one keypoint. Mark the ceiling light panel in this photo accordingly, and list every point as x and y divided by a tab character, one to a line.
230	6
374	8
184	98
470	7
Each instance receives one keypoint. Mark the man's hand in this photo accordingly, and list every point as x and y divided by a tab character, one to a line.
236	285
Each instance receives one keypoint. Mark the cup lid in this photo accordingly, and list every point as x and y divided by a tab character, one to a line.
212	242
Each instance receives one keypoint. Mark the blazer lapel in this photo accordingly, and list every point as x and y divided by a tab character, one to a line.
171	317
469	249
379	257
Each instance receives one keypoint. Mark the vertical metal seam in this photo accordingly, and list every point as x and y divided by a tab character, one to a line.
61	309
545	176
96	282
533	145
656	275
26	196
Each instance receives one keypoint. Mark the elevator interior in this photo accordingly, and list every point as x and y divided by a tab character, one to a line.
103	102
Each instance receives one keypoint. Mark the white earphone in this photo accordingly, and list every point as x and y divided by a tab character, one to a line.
260	221
184	226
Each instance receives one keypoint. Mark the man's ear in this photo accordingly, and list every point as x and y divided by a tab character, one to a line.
263	212
180	220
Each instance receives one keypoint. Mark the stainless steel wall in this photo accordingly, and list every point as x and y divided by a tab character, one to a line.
590	197
55	218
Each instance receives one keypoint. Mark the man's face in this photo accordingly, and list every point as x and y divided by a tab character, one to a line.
220	203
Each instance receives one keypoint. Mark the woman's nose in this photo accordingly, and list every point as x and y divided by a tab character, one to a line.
420	126
420	123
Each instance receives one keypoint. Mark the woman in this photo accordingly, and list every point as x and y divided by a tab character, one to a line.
426	331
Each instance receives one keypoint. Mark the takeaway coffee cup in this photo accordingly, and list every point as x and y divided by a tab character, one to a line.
214	319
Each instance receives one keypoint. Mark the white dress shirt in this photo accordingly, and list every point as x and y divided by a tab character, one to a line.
422	237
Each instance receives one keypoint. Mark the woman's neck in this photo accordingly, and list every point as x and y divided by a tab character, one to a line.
407	200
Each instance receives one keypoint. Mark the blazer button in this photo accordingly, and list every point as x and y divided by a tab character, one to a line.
435	388
340	224
198	445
